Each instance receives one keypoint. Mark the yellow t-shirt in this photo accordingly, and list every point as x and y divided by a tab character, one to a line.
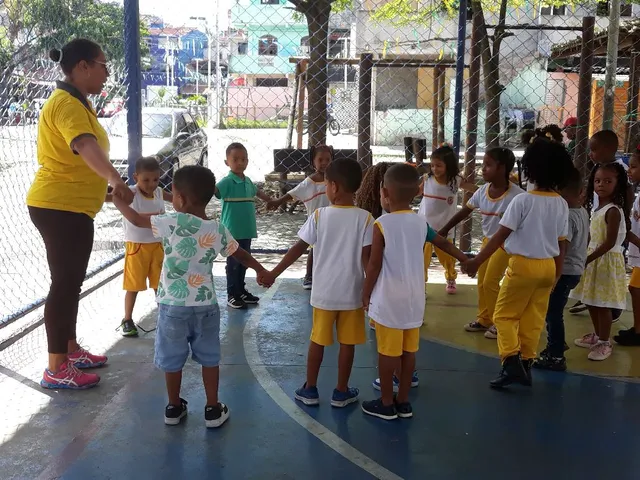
64	181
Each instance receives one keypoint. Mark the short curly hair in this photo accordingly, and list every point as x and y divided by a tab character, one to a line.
547	164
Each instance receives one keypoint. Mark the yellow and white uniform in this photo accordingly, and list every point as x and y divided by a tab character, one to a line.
491	272
539	221
603	282
338	235
312	194
397	300
439	203
634	252
143	252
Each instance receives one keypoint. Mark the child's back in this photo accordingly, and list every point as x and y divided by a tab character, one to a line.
338	235
398	298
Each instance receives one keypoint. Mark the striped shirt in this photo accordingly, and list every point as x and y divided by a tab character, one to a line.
238	197
312	194
492	209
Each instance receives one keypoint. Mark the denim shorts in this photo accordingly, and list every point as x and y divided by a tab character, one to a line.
182	327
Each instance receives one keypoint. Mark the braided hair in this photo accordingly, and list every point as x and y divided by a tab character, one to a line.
619	197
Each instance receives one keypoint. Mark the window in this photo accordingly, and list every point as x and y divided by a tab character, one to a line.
603	9
272	82
243	47
304	46
192	126
269	2
555	10
181	124
268	45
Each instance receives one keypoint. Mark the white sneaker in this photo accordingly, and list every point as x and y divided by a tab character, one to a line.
587	341
491	333
601	351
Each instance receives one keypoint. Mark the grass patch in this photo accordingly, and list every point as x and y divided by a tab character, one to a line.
242	123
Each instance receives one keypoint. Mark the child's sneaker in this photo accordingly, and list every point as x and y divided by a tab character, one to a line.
473	327
372	324
249	299
173	414
236	303
128	328
404	410
601	351
81	358
69	377
578	307
587	341
306	283
554	364
215	416
308	395
415	381
342	399
451	287
491	333
376	408
627	339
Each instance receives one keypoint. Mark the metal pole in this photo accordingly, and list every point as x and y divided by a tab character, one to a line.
197	76
364	110
209	53
632	115
218	69
294	103
434	109
472	125
302	87
134	82
584	96
457	108
612	65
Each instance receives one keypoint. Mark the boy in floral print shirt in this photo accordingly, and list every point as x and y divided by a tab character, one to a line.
189	315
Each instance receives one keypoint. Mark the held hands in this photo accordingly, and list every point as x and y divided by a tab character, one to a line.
366	299
266	278
122	191
273	204
470	267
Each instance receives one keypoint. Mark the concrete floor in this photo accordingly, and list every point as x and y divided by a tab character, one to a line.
568	426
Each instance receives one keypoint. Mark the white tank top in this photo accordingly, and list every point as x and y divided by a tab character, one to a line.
439	202
142	204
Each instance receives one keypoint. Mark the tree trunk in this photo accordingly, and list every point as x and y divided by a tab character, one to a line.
317	15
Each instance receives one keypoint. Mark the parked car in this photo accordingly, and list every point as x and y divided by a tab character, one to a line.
171	134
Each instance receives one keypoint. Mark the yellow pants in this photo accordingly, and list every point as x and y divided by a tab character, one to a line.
490	274
522	305
446	260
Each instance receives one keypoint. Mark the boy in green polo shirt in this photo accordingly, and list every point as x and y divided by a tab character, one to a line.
237	194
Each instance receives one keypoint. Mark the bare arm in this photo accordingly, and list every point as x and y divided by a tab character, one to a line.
455	220
93	155
263	196
633	238
492	245
108	197
613	219
290	257
167	197
374	265
142	221
448	247
247	260
273	204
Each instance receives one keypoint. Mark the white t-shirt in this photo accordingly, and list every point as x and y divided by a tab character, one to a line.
312	194
538	220
634	252
338	235
397	300
439	202
492	209
191	244
142	204
596	199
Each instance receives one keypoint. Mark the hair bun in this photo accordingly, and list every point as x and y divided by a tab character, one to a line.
55	54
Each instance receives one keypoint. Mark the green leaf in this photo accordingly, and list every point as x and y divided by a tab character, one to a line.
179	289
176	268
209	257
188	225
204	294
161	292
167	246
187	247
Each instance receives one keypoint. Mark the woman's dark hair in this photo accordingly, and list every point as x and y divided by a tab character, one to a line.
74	52
551	132
547	164
368	195
620	197
447	155
505	157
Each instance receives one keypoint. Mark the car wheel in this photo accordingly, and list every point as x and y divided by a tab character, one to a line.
166	181
204	159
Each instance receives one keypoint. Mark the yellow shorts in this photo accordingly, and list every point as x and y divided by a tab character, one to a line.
393	341
142	261
349	326
634	282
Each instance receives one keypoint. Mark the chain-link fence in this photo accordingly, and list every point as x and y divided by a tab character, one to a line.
380	75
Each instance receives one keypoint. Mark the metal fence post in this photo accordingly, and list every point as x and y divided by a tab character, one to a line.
133	79
457	108
612	65
584	96
364	110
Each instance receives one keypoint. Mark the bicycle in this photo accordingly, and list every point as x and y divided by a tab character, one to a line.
332	122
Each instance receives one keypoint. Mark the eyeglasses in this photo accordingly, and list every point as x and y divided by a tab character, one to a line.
104	65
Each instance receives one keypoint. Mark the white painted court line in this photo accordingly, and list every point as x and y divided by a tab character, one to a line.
285	402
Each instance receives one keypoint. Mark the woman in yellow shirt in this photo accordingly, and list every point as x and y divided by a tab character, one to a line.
68	191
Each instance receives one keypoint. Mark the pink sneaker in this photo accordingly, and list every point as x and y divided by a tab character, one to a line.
491	333
83	359
588	341
69	377
600	351
451	287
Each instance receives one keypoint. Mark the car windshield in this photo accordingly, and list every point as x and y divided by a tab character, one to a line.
156	125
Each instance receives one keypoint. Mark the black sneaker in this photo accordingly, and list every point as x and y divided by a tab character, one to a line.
128	328
249	299
555	364
404	410
578	307
376	408
173	414
628	339
629	331
306	283
215	416
237	303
